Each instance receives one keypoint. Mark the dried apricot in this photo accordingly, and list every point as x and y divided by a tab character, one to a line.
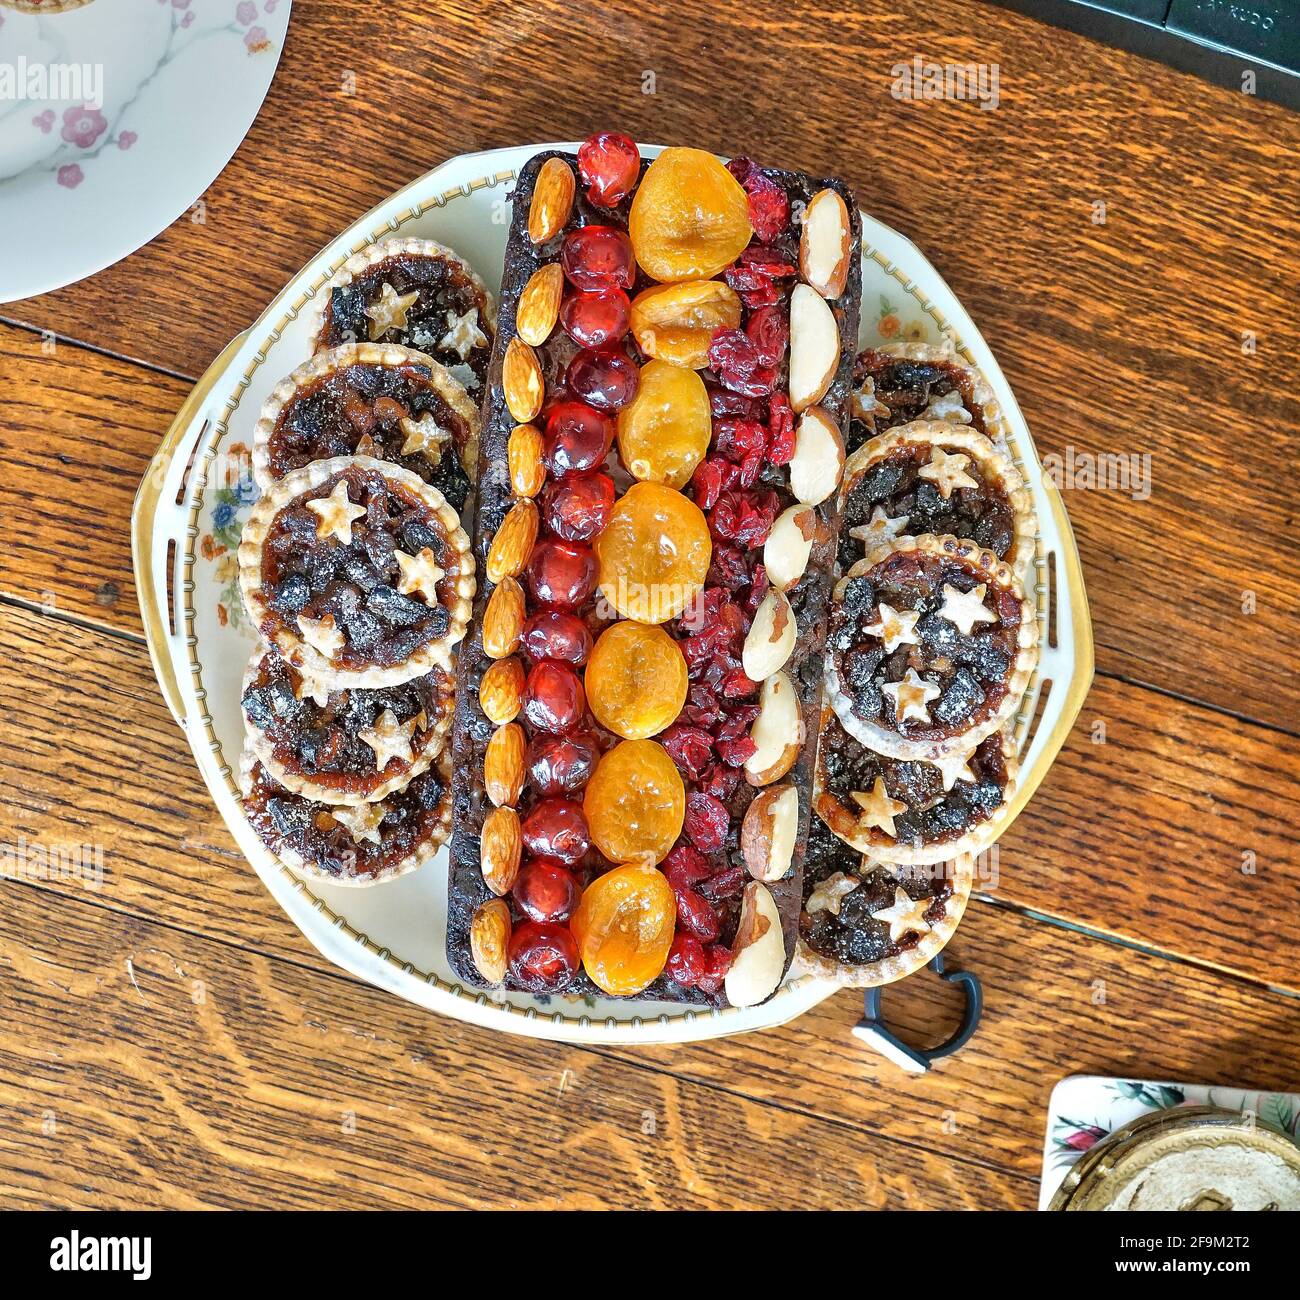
636	680
689	217
635	802
654	553
664	432
675	322
624	928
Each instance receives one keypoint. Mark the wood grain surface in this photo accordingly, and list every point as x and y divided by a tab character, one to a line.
170	1038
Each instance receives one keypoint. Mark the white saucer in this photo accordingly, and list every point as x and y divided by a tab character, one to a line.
158	95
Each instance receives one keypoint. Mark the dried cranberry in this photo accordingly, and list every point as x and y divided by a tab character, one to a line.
735	753
707	821
543	957
691	748
597	319
765	295
553	698
740	167
686	960
722	402
696	914
562	573
732	355
780	429
578	438
769	332
553	634
557	828
744	518
771	262
720	781
729	567
769	206
706	483
598	257
561	764
684	866
609	163
726	884
546	890
576	509
740	438
738	722
606	380
717	958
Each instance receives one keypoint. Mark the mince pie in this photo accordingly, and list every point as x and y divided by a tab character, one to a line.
866	923
902	382
371	399
362	844
931	645
934	477
909	811
358	573
415	293
343	746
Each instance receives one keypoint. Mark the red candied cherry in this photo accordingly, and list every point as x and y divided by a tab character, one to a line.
578	438
609	163
562	573
576	509
547	891
606	380
596	319
557	828
553	698
561	764
553	634
598	257
543	956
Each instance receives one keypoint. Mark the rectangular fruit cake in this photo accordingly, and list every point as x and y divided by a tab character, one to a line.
662	439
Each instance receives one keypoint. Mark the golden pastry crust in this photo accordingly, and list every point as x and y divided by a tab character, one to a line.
361	354
989	570
895	967
427	850
994	466
456	588
433	737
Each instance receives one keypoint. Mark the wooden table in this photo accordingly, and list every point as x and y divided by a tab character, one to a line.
171	1040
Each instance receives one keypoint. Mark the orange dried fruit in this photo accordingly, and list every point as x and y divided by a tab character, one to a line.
689	218
664	431
653	554
635	802
624	928
636	680
675	322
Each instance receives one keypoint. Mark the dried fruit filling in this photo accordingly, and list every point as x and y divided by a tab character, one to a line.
338	744
353	586
434	305
394	413
912	502
890	391
923	646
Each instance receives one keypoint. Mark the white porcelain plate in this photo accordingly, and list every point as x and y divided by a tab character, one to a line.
114	118
393	935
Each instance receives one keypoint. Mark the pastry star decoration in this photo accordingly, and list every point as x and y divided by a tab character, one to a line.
948	407
866	405
463	334
388	312
906	915
954	768
911	696
424	435
947	471
895	627
321	634
389	738
878	809
830	893
319	694
362	821
419	573
963	609
335	513
879	528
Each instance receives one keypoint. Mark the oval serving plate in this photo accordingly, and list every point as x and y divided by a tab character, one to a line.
185	530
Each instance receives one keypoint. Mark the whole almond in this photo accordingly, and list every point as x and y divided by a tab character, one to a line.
500	849
552	200
524	455
503	620
513	543
501	692
503	764
489	939
539	304
521	381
